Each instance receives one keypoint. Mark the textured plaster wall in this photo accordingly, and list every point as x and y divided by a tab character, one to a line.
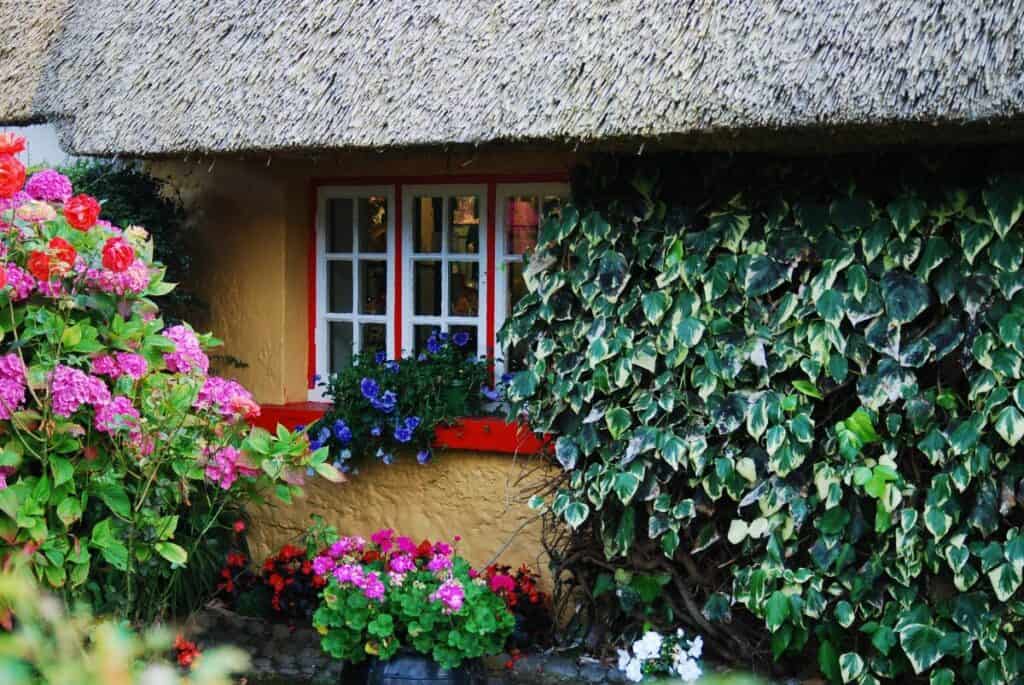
460	493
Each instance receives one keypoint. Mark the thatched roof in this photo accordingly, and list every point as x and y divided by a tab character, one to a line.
152	77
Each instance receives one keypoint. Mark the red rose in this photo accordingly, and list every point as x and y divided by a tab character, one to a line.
39	265
63	252
11	143
118	255
12	176
82	211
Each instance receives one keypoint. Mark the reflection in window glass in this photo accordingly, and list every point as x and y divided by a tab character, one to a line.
339	286
373	287
464	225
427	288
427	224
464	288
341	342
339	225
373	224
516	285
374	337
521	222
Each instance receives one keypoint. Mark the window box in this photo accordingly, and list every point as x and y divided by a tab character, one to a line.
476	434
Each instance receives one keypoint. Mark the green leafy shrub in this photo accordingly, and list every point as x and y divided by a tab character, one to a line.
119	453
796	389
391	593
382	405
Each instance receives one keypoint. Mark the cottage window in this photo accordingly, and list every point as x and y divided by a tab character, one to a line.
446	235
397	262
354	273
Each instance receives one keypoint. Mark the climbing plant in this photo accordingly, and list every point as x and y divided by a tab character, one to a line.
791	393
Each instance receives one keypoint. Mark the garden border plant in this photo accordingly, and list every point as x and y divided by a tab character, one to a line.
789	394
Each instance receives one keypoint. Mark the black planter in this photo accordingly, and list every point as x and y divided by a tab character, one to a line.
406	668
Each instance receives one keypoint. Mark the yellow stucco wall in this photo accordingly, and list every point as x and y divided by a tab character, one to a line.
251	266
469	494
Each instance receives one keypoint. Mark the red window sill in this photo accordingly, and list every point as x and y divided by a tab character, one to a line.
477	434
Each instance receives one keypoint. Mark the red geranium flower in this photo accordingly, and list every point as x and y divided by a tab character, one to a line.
82	211
239	526
425	550
39	265
118	255
276	581
11	143
12	175
371	557
63	251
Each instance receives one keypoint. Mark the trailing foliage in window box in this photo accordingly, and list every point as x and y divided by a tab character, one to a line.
382	405
797	395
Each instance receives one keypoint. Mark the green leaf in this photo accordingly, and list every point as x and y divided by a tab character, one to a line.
921	645
776	610
655	305
566	452
523	385
625	486
1010	425
906	212
62	469
764	275
973	238
1004	201
689	331
69	510
172	552
116	499
576	513
830	306
851	666
808	388
618	421
828	661
329	473
905	296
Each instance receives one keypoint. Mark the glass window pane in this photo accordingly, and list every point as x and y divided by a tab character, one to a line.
339	286
516	286
373	337
464	224
420	335
340	344
373	287
426	224
373	224
521	222
339	225
427	288
464	288
467	333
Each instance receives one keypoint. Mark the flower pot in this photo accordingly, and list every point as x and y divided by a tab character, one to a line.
406	668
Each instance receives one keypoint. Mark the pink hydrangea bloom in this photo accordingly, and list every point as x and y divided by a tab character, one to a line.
53	289
438	562
71	388
451	594
21	282
12	384
223	467
322	565
105	366
15	201
134	279
49	185
402	563
225	396
117	415
188	356
5	471
120	364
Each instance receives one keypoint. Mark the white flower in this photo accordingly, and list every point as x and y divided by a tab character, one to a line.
696	647
624	659
634	673
648	647
688	670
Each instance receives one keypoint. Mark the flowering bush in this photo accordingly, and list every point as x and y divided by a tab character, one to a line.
654	654
391	593
529	605
381	405
118	451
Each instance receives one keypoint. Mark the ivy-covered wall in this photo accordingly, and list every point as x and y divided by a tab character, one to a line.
789	396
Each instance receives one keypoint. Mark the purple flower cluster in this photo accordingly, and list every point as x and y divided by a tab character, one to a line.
12	384
134	279
120	364
70	388
49	185
439	562
188	355
352	574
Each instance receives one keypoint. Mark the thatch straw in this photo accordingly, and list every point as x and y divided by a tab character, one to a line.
151	77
